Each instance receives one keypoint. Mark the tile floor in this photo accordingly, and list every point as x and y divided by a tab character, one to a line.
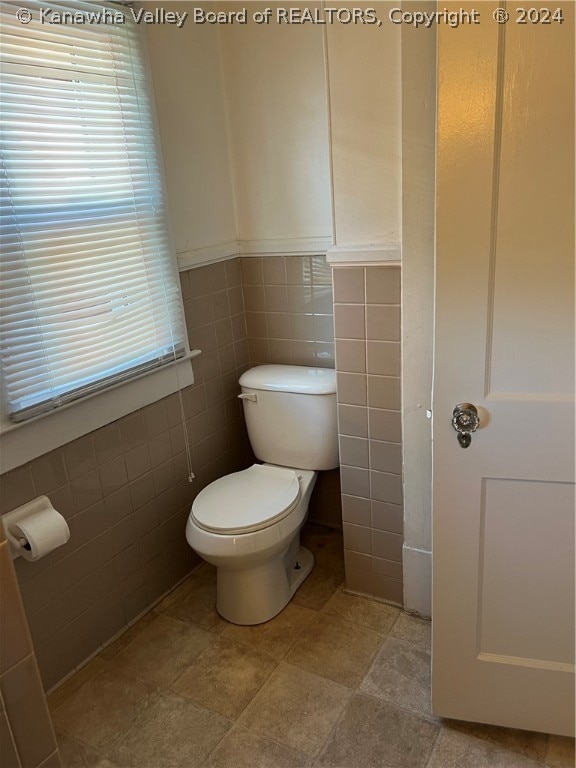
334	680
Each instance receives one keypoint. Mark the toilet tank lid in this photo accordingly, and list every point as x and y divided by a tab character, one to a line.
290	378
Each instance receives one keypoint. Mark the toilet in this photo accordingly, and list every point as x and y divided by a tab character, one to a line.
248	523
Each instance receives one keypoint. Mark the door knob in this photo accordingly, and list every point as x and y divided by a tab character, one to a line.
465	420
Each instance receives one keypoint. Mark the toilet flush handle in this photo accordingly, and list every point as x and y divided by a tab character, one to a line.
248	396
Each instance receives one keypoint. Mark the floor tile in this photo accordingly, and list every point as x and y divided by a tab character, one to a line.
297	708
328	572
246	749
104	708
400	674
375	733
317	589
327	547
163	650
76	681
560	752
288	683
53	761
196	603
528	743
173	732
205	572
225	677
471	745
363	611
73	754
335	649
274	637
413	629
121	642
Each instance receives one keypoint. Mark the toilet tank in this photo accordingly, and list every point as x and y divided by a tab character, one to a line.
290	414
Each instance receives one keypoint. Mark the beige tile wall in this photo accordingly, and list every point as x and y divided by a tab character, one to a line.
289	318
367	330
124	489
26	734
289	314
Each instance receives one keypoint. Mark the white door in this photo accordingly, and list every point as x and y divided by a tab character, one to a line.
503	541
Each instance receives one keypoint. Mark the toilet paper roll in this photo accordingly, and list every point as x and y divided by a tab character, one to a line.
44	531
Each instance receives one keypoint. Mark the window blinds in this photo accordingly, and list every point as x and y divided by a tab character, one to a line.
89	291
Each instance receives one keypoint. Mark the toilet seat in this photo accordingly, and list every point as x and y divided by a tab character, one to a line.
247	501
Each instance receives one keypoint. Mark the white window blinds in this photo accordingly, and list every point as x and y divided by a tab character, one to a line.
89	293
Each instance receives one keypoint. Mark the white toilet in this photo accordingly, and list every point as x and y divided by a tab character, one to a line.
248	523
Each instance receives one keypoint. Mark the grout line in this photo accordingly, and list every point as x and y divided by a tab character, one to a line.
352	690
119	634
11	732
55	754
436	740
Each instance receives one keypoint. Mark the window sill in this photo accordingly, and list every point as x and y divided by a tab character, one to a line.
27	440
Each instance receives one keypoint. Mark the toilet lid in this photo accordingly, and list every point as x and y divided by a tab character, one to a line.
247	501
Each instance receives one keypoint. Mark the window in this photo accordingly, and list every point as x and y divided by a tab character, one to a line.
90	294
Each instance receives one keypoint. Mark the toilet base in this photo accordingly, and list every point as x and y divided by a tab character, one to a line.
255	595
301	569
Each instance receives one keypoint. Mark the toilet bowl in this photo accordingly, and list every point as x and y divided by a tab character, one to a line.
249	527
248	523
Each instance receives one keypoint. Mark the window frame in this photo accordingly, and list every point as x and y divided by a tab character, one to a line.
23	441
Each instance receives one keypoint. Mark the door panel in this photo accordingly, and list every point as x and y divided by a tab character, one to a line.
513	584
533	290
503	518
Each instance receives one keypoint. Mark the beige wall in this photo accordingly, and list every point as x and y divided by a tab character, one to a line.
277	112
256	166
188	89
244	128
364	79
26	734
124	491
418	167
367	329
289	313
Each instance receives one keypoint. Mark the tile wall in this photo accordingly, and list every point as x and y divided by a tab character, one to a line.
367	331
289	313
124	489
289	319
26	734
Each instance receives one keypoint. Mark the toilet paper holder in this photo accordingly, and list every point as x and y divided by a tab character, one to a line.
19	543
